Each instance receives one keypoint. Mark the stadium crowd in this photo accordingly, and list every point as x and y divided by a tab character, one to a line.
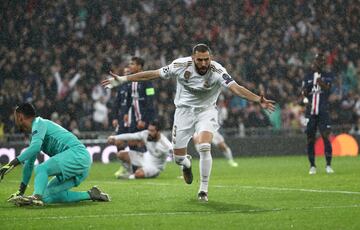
55	53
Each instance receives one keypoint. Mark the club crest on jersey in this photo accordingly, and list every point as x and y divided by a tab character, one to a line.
187	75
206	84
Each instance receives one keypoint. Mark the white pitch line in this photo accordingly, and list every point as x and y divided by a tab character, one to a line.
174	213
226	186
291	189
244	187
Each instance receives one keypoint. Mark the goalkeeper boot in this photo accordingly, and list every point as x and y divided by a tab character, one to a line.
97	195
187	172
28	201
202	196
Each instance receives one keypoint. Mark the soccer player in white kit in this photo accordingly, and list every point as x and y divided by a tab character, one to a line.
199	82
153	161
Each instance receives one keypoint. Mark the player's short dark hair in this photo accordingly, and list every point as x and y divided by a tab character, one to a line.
138	61
27	109
201	47
157	124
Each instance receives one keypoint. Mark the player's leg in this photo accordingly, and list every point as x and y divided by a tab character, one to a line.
58	192
125	169
121	146
325	130
43	171
205	163
183	129
310	133
219	141
148	171
207	124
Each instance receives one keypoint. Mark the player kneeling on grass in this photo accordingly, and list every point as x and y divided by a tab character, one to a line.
150	163
69	163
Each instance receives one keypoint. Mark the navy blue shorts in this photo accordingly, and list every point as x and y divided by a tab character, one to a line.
322	121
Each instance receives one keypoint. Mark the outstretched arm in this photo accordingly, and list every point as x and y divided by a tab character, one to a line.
247	94
117	80
125	137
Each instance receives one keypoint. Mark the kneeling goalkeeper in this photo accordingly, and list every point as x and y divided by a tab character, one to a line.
69	162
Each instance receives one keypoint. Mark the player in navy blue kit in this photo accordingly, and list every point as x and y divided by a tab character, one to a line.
136	110
316	91
141	97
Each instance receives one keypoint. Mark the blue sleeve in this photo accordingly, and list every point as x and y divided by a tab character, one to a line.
149	109
27	170
37	138
116	105
126	102
306	87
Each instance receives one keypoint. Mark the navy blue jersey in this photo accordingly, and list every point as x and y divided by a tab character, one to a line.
317	97
122	102
140	104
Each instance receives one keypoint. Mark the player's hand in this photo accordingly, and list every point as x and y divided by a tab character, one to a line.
5	169
114	81
115	123
111	140
140	125
8	167
267	104
20	192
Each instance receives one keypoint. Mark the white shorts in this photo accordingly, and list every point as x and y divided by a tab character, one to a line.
188	121
144	161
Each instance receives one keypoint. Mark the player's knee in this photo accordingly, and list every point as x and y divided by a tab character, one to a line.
204	148
122	155
139	173
311	139
204	152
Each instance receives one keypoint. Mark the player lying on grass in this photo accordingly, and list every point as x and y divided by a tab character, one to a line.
150	163
69	163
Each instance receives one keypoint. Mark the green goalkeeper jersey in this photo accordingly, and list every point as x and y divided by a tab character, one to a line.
48	137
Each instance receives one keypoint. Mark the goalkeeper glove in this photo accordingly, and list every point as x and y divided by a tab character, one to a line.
20	192
8	167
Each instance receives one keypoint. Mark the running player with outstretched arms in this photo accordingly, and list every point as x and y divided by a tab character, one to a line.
199	82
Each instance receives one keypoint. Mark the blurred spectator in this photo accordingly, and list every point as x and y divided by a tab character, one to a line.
261	42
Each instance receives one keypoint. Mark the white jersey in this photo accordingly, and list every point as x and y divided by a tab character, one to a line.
193	89
159	150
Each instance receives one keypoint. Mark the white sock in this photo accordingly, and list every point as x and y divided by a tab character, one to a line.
197	147
228	154
182	160
205	166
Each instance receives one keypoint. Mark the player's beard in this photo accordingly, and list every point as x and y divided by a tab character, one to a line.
153	138
203	70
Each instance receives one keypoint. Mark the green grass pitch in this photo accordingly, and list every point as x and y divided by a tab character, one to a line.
262	193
